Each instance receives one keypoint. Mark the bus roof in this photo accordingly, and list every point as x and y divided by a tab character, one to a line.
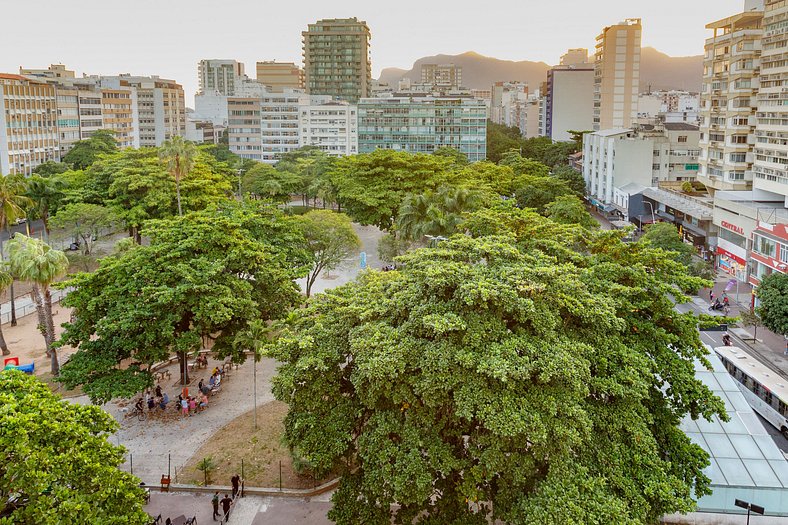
764	375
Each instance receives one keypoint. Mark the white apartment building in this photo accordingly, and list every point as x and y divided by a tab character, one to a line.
506	101
332	127
617	75
618	157
161	108
731	70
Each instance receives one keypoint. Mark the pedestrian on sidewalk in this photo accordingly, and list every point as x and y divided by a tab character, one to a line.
215	503
785	352
226	503
236	482
711	295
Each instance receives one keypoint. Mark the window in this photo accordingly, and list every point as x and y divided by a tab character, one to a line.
764	246
682	138
784	253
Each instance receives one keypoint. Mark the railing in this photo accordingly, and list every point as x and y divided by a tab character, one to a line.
25	306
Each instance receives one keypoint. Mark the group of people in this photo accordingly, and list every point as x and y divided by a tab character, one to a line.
716	304
226	502
190	405
153	400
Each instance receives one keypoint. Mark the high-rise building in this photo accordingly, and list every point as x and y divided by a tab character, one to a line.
731	69
28	124
277	76
219	76
421	125
336	59
569	100
505	99
445	76
617	75
575	57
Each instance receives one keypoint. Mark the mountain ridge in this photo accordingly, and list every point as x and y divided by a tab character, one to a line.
657	70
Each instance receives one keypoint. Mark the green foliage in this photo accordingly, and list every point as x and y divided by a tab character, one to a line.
436	214
569	209
457	157
538	191
50	168
686	187
392	246
524	165
665	236
773	298
58	464
703	270
306	172
266	182
86	221
371	187
179	155
13	201
206	274
330	239
751	318
535	374
501	139
572	178
46	195
85	152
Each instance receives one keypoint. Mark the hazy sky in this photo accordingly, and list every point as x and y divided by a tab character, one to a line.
169	37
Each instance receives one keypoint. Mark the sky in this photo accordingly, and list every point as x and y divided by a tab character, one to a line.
168	37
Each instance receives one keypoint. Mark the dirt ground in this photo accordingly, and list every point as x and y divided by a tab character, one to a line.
26	342
261	450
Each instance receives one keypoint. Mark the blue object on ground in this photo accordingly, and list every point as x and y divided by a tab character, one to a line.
28	369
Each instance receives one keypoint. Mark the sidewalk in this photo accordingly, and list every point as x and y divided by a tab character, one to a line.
769	345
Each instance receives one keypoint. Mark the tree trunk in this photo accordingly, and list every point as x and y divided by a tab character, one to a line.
13	305
183	363
50	319
45	219
3	345
178	193
43	325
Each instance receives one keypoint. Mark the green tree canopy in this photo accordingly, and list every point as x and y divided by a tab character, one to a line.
203	275
85	152
524	165
773	298
538	191
330	239
457	157
372	186
572	178
501	139
58	465
436	214
665	236
494	377
569	209
45	194
265	181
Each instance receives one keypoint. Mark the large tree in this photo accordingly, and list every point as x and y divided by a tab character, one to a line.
330	239
45	194
5	281
569	209
773	302
372	186
532	373
58	464
36	262
203	275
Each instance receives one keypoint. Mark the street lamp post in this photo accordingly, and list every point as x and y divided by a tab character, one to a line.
240	174
653	219
750	507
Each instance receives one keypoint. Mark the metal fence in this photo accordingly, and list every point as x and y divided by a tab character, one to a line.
24	305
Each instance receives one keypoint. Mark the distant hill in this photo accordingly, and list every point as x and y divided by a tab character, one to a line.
657	69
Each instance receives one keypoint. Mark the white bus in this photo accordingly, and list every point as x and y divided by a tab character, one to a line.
764	390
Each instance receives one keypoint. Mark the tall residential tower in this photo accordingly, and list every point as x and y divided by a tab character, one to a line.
617	75
336	59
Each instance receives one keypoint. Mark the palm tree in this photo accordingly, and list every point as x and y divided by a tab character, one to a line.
35	261
413	215
179	155
253	338
44	192
5	281
13	203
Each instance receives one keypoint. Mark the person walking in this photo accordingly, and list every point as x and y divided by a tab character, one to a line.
215	503
236	482
711	295
226	503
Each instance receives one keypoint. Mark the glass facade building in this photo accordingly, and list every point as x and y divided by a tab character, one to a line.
422	125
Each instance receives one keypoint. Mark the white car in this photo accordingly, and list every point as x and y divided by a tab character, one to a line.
21	220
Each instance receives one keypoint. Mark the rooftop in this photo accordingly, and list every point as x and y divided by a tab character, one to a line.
680	126
699	208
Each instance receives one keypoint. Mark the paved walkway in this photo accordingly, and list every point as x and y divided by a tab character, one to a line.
249	510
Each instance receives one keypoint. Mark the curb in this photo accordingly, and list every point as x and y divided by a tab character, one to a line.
253	491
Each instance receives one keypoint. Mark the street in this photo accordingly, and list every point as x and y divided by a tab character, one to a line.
36	227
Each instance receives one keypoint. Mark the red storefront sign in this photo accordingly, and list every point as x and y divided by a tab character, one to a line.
732	227
726	253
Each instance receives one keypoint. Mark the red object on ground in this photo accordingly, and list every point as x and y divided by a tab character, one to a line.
11	361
